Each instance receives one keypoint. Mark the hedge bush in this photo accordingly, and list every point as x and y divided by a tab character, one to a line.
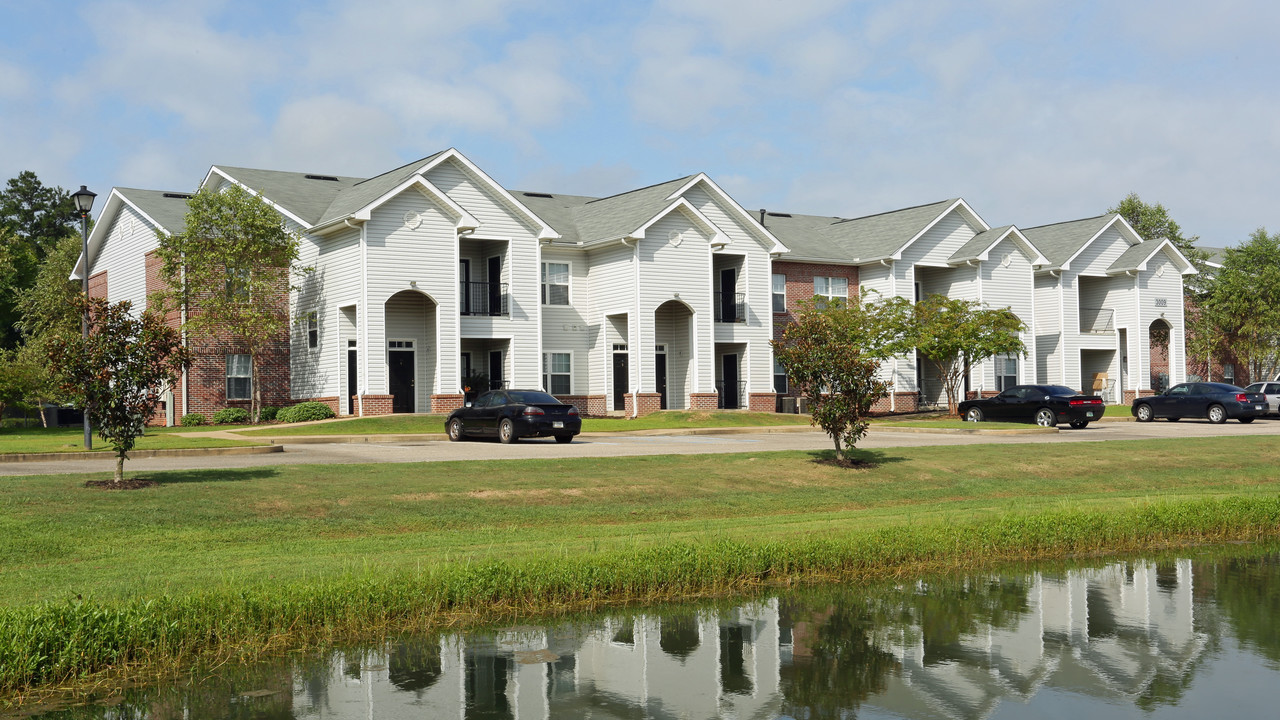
304	412
192	419
231	416
267	414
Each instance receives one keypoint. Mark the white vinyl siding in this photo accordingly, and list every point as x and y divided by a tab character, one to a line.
666	270
122	256
1161	279
334	282
494	213
1008	281
569	327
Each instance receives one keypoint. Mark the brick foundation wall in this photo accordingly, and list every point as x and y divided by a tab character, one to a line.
650	402
332	402
590	405
98	285
374	404
800	287
703	401
447	403
903	402
762	402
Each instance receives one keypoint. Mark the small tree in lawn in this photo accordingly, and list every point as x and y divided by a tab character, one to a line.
119	371
832	355
230	268
957	334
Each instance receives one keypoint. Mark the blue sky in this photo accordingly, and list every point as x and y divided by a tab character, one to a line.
1034	112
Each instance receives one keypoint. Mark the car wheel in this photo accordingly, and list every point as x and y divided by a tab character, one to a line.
1246	421
1143	413
974	415
1046	418
1217	414
507	432
1079	424
454	430
564	438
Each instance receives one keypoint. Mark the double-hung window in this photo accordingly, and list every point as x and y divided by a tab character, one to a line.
779	377
1006	372
555	283
779	293
831	287
239	377
238	284
313	330
557	373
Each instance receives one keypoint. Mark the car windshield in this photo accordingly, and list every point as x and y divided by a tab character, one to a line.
1059	390
529	397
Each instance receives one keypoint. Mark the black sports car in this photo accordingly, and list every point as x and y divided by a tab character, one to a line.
512	414
1045	405
1215	401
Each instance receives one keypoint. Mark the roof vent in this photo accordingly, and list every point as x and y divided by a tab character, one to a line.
774	214
541	195
329	178
178	196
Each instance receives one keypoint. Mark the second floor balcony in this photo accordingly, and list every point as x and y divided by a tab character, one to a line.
731	307
484	298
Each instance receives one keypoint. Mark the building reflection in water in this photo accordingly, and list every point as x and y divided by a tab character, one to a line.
1127	633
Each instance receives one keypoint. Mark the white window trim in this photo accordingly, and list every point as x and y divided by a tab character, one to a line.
545	373
312	317
774	293
828	279
568	285
229	376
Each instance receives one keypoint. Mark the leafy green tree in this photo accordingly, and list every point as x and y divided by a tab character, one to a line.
34	218
1240	305
119	370
832	354
956	334
1152	222
231	268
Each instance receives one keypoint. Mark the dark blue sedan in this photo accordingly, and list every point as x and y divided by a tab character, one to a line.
1215	401
512	414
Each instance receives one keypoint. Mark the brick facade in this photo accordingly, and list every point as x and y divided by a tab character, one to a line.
800	287
374	404
590	405
704	401
762	402
447	403
98	285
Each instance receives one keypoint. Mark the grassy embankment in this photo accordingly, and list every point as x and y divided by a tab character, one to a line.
61	440
237	561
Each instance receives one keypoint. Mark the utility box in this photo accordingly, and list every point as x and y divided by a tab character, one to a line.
786	404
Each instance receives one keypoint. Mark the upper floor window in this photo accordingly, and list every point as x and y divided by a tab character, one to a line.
237	284
779	293
313	330
555	283
832	287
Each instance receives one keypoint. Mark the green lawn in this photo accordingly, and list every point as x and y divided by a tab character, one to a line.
46	440
205	529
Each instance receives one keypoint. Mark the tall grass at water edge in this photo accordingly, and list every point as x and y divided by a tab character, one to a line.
67	641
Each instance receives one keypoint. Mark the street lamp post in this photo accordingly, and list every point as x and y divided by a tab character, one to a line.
84	203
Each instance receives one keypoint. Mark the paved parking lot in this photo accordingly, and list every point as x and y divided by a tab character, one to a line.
628	445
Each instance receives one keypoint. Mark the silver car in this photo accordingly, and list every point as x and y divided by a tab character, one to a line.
1272	391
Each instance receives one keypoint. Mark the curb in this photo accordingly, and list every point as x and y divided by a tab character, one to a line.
440	437
968	431
137	454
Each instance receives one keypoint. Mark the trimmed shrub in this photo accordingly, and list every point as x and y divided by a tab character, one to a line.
305	412
267	414
193	419
231	416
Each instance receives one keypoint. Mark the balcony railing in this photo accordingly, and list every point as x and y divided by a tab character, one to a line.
484	298
730	394
731	307
1097	320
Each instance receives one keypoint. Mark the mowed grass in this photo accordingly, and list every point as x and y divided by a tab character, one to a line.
55	440
202	529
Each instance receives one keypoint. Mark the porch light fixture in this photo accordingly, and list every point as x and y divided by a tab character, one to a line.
84	203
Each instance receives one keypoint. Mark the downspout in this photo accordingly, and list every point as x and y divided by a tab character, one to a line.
633	329
1143	332
893	378
362	317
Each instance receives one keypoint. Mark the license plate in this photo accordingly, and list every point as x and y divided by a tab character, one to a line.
1089	414
1257	407
557	424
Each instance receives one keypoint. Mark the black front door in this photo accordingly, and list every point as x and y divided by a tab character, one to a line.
660	373
621	372
352	376
494	277
729	394
495	369
400	369
728	295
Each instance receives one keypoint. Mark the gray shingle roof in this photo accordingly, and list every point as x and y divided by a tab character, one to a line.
168	208
1059	242
304	197
579	218
364	192
863	239
1133	257
980	242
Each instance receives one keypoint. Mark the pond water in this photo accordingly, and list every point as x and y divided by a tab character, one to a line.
1194	637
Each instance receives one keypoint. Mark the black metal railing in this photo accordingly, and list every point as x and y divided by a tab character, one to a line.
730	395
1097	320
731	307
484	298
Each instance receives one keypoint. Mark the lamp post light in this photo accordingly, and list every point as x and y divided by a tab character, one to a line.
84	203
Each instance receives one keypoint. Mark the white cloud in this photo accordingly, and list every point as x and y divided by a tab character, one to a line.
14	81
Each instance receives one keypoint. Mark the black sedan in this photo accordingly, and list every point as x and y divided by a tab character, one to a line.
1045	405
512	414
1215	401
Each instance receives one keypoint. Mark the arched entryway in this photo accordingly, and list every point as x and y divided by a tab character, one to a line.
1158	334
672	354
410	350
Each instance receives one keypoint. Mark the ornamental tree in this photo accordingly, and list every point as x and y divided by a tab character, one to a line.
230	269
832	354
1240	307
118	372
957	334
